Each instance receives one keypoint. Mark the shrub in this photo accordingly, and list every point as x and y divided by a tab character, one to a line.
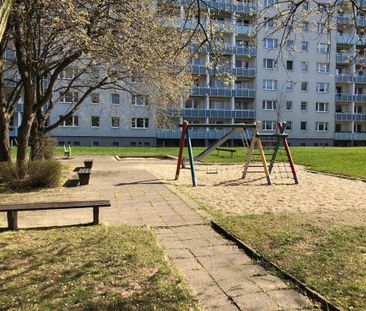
40	174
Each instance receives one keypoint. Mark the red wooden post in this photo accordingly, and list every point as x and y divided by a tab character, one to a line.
281	126
181	147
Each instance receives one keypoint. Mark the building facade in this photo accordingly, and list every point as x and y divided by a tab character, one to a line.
316	84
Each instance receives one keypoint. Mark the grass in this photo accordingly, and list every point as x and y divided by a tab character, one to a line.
336	160
88	268
329	258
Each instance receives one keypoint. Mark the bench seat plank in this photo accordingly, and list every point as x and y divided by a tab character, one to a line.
53	205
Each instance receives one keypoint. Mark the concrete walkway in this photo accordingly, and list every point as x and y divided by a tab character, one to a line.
220	275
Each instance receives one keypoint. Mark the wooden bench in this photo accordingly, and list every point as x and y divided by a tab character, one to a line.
84	176
13	209
226	150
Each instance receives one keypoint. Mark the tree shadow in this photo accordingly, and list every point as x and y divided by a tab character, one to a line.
141	182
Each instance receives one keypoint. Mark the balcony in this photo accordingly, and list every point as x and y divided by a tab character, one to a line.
223	5
344	78
196	133
345	116
231	27
347	39
350	136
235	71
359	79
222	92
344	58
344	97
359	98
212	113
227	49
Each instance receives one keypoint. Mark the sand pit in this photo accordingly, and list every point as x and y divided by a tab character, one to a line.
226	191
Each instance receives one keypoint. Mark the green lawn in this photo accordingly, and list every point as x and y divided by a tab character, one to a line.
88	268
329	258
343	161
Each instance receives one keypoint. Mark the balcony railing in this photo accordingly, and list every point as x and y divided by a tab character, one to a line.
351	39
350	136
346	116
344	97
220	113
345	58
196	134
224	5
359	98
235	71
222	92
228	49
344	78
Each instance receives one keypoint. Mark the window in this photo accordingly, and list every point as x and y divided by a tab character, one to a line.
69	97
269	2
115	144
288	126
304	66
322	107
95	121
269	63
322	67
289	65
305	26
216	105
304	106
141	123
72	121
321	126
304	86
95	143
138	100
95	98
76	143
289	86
268	22
241	106
11	122
115	122
288	105
68	73
269	125
270	85
191	104
304	46
290	44
305	6
323	48
269	105
270	43
303	125
115	99
322	87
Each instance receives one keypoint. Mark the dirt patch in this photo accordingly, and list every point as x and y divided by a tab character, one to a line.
316	194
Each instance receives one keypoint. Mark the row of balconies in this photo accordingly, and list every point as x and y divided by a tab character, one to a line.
347	58
222	92
346	20
349	136
223	5
235	71
228	49
345	116
351	79
222	26
345	97
212	113
351	39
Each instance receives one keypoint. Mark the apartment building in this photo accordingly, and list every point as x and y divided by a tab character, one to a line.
316	84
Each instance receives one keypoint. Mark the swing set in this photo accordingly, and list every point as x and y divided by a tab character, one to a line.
257	144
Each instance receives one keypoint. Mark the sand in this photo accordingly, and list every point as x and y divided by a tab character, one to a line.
316	193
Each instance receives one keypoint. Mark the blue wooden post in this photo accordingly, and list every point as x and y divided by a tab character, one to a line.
191	159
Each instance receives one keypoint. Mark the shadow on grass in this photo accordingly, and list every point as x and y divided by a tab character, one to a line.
44	228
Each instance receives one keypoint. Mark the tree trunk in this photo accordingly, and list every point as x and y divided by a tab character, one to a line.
23	140
5	148
37	138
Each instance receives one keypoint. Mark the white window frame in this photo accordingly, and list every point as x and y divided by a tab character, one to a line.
321	124
271	83
119	98
306	106
91	122
307	86
119	122
322	87
322	67
288	126
306	125
74	124
270	43
290	103
267	61
269	125
138	100
134	123
322	107
269	105
92	98
74	95
323	48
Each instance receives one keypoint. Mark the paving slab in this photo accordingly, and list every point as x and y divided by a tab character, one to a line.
220	275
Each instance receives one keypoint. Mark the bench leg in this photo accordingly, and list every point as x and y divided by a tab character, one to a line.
13	220
95	215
